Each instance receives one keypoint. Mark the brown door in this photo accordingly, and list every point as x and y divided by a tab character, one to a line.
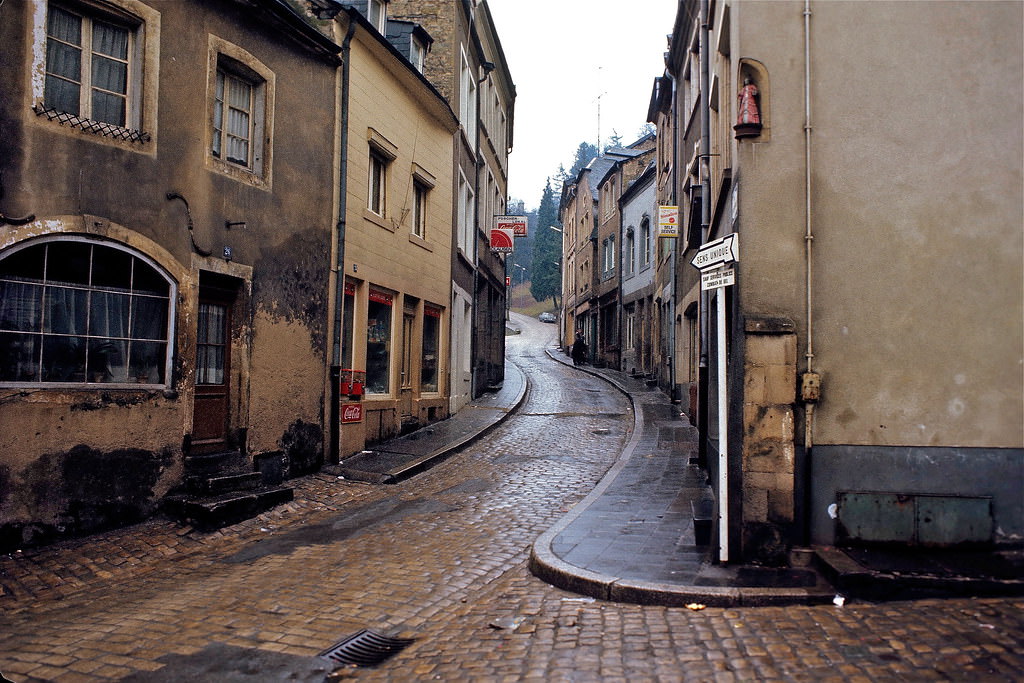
213	363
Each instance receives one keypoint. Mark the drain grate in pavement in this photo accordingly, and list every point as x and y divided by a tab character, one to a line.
365	648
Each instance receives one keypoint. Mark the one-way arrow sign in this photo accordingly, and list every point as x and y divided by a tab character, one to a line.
723	250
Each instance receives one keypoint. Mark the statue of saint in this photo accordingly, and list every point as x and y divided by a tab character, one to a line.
748	117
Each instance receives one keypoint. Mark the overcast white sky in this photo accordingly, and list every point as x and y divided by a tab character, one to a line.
563	54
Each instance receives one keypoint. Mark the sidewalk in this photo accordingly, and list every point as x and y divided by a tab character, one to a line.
632	539
405	456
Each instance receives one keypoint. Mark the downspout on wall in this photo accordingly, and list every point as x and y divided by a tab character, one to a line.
810	388
705	220
339	269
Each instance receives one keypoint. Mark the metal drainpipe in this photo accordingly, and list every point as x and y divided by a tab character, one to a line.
339	283
705	218
808	234
810	397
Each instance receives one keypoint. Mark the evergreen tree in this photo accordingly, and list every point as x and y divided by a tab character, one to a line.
585	153
546	275
614	141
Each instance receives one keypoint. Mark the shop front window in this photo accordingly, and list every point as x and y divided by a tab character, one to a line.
378	342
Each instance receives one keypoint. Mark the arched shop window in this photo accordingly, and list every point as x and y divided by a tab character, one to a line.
79	312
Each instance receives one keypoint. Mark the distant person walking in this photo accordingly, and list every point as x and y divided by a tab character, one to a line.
579	349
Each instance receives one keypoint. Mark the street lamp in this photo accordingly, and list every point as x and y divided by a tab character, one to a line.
522	275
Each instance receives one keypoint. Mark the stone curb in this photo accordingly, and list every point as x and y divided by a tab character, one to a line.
423	463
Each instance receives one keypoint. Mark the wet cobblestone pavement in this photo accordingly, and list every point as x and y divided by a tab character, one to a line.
442	557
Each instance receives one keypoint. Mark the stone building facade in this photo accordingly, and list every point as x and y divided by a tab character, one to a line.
467	65
398	231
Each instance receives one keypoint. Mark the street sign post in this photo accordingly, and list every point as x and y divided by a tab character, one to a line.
719	252
712	260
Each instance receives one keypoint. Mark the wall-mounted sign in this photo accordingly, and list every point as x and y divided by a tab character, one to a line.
502	240
668	221
351	412
517	224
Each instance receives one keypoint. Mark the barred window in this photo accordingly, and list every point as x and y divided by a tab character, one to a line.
89	66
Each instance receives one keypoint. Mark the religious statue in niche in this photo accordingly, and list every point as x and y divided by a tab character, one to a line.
748	117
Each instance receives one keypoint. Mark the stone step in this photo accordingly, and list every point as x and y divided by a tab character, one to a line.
223	483
213	512
216	463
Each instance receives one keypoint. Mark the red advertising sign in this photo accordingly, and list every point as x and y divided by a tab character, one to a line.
517	224
502	241
351	412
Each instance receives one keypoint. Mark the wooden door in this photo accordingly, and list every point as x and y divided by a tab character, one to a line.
213	365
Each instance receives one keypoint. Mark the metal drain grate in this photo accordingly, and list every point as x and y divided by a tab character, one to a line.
365	648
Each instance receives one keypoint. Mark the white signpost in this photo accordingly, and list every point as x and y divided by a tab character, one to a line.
710	260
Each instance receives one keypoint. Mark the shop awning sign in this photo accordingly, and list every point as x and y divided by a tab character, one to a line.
502	240
668	221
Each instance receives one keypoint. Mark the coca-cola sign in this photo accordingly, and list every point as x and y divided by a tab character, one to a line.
352	412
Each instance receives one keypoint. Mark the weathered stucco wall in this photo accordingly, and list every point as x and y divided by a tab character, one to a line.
80	458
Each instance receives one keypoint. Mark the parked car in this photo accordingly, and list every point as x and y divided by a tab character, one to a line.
546	317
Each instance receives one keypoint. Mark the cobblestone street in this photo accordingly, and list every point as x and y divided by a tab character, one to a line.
442	557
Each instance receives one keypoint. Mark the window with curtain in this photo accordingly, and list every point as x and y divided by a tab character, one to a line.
80	312
89	66
645	241
419	209
240	111
630	255
234	118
